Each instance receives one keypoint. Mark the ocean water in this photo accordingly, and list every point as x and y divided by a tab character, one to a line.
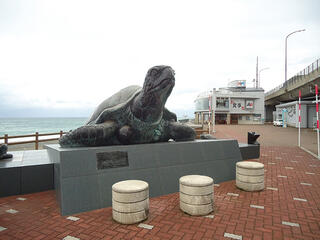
23	126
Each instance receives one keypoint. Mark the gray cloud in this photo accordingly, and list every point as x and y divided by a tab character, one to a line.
55	61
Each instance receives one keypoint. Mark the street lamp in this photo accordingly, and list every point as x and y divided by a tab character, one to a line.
259	74
285	69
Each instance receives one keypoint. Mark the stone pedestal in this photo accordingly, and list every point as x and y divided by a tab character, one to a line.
250	176
196	194
130	201
83	177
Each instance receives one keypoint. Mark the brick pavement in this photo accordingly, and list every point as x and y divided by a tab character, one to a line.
288	208
270	135
294	175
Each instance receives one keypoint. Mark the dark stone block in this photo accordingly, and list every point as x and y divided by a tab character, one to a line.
37	178
10	181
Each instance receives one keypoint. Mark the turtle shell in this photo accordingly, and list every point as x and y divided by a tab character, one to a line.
114	103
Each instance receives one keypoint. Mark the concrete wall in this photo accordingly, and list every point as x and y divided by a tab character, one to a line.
292	114
251	121
269	113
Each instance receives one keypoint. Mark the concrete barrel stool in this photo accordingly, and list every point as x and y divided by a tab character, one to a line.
130	201
250	176
196	194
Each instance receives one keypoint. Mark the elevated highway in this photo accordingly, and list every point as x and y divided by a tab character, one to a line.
304	80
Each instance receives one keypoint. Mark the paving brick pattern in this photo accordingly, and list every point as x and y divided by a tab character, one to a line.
235	216
281	217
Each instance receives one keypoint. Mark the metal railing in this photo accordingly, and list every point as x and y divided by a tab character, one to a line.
36	141
315	66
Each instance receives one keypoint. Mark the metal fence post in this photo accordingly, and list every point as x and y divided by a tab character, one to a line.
6	138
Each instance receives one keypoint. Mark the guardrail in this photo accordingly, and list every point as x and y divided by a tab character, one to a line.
315	66
36	141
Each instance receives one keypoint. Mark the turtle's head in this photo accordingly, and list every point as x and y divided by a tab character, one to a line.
159	82
149	105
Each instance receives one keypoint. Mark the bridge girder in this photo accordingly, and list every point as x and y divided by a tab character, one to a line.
290	93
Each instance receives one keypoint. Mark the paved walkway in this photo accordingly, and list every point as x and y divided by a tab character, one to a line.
270	135
288	208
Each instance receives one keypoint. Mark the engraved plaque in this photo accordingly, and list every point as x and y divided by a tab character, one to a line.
114	159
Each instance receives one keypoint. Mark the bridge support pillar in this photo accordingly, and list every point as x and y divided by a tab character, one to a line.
269	109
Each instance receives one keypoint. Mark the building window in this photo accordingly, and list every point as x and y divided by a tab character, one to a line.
222	102
256	117
202	104
205	117
248	118
221	118
240	117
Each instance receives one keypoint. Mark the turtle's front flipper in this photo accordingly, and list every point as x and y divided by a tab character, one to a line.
90	135
181	132
125	134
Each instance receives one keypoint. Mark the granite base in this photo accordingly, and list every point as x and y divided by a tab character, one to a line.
84	176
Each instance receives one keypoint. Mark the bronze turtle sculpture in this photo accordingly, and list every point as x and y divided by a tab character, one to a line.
134	115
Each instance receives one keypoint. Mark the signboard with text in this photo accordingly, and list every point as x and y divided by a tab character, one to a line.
237	104
249	104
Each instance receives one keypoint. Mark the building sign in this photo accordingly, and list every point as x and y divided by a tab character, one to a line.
237	104
249	104
241	83
237	84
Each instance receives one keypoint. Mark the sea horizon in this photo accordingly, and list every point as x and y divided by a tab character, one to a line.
14	126
38	117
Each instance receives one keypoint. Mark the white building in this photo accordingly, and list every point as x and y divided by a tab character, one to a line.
288	112
235	104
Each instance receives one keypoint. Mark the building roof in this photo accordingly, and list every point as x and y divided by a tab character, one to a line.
293	103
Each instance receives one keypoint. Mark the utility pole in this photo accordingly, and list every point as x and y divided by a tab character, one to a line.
285	54
259	81
257	74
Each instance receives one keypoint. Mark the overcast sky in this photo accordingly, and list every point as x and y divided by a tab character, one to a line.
62	58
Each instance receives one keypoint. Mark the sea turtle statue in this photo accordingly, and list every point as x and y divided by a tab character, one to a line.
3	152
133	115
